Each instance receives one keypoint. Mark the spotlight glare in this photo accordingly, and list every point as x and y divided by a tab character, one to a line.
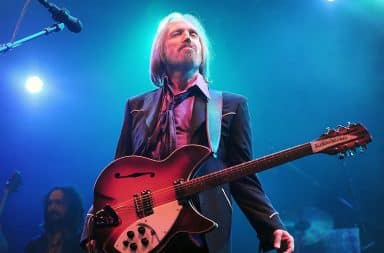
34	84
330	0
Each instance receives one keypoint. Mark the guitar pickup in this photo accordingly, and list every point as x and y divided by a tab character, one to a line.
180	191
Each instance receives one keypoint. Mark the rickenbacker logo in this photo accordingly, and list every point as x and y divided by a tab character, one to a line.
324	144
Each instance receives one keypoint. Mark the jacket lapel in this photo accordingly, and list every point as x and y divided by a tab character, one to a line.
145	120
151	108
198	114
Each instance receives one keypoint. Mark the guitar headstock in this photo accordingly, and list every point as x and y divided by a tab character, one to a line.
14	181
344	141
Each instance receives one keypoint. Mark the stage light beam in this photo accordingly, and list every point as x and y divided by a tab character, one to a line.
34	84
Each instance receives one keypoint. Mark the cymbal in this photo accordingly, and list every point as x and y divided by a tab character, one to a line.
310	225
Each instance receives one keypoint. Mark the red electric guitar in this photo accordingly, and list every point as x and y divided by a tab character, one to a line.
141	204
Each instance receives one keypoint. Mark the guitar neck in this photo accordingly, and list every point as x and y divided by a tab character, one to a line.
233	173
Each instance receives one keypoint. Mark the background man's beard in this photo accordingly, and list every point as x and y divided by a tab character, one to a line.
55	220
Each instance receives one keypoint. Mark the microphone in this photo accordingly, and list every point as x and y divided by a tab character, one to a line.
62	15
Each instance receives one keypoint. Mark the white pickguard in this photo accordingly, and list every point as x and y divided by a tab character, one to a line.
157	226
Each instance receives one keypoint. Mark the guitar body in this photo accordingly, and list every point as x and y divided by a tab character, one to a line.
142	193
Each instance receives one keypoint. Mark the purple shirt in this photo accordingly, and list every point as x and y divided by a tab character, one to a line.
183	111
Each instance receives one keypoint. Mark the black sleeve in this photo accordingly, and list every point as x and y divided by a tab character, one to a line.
124	146
247	191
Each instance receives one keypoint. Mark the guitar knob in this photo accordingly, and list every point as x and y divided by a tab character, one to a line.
133	246
145	241
130	234
141	230
125	243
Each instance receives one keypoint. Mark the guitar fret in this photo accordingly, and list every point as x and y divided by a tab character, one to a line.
202	183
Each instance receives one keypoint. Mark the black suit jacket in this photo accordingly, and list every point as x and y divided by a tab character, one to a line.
235	147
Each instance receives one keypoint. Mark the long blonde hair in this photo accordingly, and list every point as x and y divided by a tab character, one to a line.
157	64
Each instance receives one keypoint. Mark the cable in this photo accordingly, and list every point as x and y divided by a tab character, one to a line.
23	10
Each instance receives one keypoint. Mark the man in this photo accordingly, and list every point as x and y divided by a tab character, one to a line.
158	122
63	217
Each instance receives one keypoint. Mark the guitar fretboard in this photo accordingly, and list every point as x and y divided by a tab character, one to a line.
230	174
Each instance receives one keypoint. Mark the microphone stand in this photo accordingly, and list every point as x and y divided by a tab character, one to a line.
53	28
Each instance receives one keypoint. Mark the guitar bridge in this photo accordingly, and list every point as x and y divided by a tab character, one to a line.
106	217
143	203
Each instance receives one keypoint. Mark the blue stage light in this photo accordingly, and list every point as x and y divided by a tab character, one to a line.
34	84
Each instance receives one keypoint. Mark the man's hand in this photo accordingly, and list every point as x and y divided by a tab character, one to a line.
90	246
283	241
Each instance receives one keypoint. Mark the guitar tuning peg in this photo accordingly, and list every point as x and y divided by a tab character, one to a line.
341	156
329	131
326	133
350	124
362	148
350	152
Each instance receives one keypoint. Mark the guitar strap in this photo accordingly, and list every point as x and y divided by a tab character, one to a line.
214	112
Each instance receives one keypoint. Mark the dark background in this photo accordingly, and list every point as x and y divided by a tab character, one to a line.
304	65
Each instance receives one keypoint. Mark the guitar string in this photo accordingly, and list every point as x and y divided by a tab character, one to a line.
187	184
235	169
171	189
123	208
247	165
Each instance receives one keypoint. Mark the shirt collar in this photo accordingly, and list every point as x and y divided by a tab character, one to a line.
202	84
199	82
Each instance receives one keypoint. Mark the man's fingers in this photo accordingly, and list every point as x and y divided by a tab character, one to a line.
288	242
291	244
283	241
277	241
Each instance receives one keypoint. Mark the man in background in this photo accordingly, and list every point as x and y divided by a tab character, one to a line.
63	218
